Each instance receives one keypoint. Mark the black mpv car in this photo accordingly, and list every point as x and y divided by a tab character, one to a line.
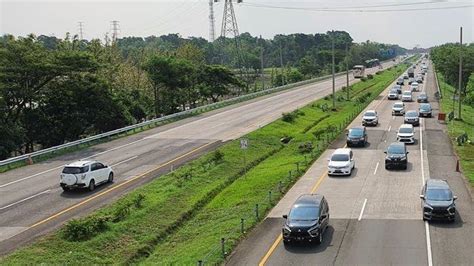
307	221
396	156
356	136
437	201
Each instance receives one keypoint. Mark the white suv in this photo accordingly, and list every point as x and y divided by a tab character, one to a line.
85	174
341	162
407	96
406	133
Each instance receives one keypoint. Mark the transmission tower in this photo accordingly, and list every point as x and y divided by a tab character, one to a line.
229	22
212	32
115	30
81	30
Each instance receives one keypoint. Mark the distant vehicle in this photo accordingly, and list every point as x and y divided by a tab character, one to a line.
307	220
396	156
414	86
373	63
393	94
422	98
370	118
411	72
405	76
398	108
410	81
438	201
359	71
419	79
411	117
357	136
341	162
400	81
398	88
85	174
407	96
425	110
406	133
424	67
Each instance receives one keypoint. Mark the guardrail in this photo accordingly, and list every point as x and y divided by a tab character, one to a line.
155	121
185	113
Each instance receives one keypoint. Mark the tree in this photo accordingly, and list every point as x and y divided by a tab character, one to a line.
215	81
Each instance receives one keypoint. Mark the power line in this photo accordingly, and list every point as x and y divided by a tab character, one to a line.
335	10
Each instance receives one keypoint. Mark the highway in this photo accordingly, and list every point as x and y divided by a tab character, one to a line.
33	204
375	214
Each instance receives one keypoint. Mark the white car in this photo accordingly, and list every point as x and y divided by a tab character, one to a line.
370	118
414	86
406	133
407	96
85	174
341	162
398	108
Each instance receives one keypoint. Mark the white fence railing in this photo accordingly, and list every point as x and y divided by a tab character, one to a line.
155	121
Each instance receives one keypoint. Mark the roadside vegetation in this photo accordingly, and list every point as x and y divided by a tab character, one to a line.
54	91
461	127
182	217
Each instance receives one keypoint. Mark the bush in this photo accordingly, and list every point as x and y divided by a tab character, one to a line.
121	213
305	147
363	79
84	229
370	76
288	117
138	201
217	156
286	139
319	133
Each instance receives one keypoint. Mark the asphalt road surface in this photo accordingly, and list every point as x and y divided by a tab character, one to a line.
32	203
375	214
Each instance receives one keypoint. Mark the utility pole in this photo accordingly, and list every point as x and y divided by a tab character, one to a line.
333	75
81	30
261	68
281	67
212	32
460	73
347	72
115	30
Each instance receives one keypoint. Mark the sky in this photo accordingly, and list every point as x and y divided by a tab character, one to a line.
433	22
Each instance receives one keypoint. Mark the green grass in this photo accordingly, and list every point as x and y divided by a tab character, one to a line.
457	127
185	213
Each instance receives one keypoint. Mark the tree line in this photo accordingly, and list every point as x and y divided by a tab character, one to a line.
446	59
57	90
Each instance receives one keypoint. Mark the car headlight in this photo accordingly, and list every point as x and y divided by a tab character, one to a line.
83	176
313	231
286	230
427	209
452	209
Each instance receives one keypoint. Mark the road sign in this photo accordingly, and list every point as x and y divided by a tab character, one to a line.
244	143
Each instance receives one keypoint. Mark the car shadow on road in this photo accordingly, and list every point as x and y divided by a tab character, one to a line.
458	222
312	247
80	193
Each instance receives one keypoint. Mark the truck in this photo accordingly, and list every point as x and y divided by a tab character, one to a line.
411	72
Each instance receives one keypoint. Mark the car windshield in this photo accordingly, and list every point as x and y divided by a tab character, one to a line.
74	170
422	96
406	93
356	132
425	107
398	105
396	149
412	114
340	158
439	194
405	130
304	213
369	114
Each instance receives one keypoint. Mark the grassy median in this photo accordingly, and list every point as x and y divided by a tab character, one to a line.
458	127
181	218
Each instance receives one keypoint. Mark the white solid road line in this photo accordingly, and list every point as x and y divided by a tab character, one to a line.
124	161
390	127
25	199
362	210
376	167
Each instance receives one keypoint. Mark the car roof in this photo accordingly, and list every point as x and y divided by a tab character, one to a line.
407	91
371	111
342	151
357	127
308	199
437	183
402	144
80	163
398	103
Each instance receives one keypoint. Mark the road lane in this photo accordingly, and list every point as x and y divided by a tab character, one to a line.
389	230
149	150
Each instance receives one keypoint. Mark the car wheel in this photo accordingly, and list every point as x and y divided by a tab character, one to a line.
111	177
66	189
92	185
